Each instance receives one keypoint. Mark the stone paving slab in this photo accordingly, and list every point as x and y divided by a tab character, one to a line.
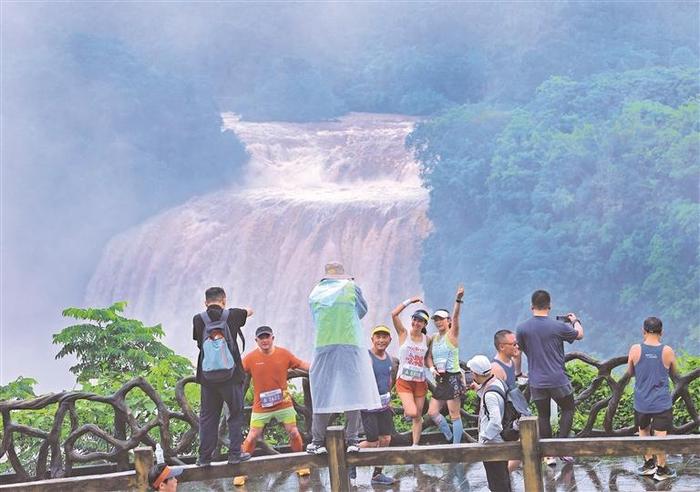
600	474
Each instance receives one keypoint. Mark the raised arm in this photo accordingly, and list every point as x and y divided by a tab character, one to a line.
454	328
398	325
518	363
576	324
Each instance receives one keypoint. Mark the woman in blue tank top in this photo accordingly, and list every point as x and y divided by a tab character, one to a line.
443	362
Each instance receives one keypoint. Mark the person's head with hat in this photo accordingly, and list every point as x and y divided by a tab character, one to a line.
163	477
480	366
442	320
381	338
334	270
265	339
419	321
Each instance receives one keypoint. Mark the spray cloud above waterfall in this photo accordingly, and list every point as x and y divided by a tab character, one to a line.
112	112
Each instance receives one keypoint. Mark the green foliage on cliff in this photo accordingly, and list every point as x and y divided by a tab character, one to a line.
589	191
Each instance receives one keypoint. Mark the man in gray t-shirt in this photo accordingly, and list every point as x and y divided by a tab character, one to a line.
542	340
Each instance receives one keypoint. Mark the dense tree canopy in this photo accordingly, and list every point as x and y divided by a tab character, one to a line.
590	191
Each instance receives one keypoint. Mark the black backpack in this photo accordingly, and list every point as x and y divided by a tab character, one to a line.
514	408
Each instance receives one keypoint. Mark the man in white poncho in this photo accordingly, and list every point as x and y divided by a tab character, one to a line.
341	374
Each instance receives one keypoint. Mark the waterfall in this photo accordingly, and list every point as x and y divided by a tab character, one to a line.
344	190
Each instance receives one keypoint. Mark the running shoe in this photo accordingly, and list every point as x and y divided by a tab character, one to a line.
304	472
648	468
239	481
314	448
664	473
238	458
550	461
382	479
567	459
353	448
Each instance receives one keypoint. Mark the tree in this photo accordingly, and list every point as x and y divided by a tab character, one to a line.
113	347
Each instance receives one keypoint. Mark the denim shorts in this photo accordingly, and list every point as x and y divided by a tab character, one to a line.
553	393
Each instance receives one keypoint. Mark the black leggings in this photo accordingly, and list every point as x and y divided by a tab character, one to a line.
566	415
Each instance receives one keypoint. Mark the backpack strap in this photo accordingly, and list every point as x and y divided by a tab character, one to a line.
494	389
230	339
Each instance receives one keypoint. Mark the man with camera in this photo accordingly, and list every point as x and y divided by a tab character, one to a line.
542	340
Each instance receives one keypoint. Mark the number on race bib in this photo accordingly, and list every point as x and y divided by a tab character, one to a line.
412	373
270	398
385	399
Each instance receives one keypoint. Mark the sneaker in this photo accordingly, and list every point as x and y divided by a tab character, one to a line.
314	448
304	472
648	468
382	479
352	472
239	481
353	448
550	461
238	458
664	473
567	459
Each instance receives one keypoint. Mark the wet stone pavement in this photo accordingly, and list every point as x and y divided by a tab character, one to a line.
598	474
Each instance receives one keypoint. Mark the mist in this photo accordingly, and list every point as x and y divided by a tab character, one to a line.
111	112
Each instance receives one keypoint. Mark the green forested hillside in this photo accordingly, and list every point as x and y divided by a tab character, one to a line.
590	190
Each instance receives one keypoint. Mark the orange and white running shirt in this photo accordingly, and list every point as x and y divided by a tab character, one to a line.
269	374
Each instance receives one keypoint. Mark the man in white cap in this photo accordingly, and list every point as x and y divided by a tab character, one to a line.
490	419
341	375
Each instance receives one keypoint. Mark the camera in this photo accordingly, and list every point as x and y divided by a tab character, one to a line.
564	318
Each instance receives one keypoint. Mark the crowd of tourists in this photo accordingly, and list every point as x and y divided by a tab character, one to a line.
347	377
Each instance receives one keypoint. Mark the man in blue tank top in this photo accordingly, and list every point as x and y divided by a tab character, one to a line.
650	363
379	423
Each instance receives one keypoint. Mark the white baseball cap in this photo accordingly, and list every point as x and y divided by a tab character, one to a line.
480	364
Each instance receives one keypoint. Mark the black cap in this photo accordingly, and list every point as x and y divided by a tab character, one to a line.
263	329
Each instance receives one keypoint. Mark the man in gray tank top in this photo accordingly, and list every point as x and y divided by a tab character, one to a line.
506	366
650	363
506	363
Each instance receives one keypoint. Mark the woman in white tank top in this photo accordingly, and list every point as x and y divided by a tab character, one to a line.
411	385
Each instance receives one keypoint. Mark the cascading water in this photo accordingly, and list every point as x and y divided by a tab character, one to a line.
344	190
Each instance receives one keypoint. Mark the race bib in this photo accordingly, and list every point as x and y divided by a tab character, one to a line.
270	398
385	399
440	365
412	373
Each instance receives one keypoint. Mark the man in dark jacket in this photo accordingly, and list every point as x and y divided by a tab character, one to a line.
215	393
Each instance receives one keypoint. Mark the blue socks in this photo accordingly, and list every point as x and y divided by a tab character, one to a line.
442	424
458	431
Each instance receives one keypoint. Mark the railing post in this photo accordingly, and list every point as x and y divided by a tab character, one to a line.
532	461
337	465
143	461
